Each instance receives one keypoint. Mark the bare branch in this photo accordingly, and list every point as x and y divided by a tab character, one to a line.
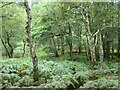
99	30
6	4
96	33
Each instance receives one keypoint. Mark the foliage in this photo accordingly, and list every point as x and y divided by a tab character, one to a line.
54	73
101	83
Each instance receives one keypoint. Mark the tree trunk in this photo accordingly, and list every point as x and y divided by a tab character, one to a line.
79	47
24	48
90	38
70	42
5	47
30	43
55	51
112	52
87	52
58	43
101	55
118	30
107	51
11	48
62	44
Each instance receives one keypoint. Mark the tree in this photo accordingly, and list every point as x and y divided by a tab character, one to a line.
118	29
30	43
12	27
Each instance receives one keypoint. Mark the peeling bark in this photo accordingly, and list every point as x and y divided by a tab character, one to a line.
90	37
30	43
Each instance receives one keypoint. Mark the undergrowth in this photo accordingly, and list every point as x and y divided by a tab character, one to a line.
58	73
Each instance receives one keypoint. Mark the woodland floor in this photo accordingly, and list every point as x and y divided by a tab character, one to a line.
59	72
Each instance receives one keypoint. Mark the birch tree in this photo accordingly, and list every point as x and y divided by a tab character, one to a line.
29	41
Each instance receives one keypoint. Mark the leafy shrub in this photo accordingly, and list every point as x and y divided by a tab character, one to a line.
60	82
26	81
101	83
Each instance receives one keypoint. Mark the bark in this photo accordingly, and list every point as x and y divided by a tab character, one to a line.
70	42
107	51
118	43
112	52
91	44
30	43
118	30
58	43
5	47
55	51
87	52
11	47
62	44
80	48
101	55
24	48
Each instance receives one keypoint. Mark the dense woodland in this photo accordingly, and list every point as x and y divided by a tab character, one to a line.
60	44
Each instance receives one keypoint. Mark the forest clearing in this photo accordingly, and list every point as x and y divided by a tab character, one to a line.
62	45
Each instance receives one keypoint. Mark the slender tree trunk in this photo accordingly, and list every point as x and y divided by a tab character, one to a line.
118	30
112	52
87	52
80	46
79	49
55	51
24	48
11	48
5	47
30	43
58	43
101	55
85	14
62	44
107	51
70	42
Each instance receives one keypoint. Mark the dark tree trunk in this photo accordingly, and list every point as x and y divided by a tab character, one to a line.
107	50
80	46
118	30
70	42
79	49
112	52
55	48
58	43
30	43
62	44
5	48
118	43
24	48
11	48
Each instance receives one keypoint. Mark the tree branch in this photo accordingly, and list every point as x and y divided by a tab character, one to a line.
6	4
99	30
